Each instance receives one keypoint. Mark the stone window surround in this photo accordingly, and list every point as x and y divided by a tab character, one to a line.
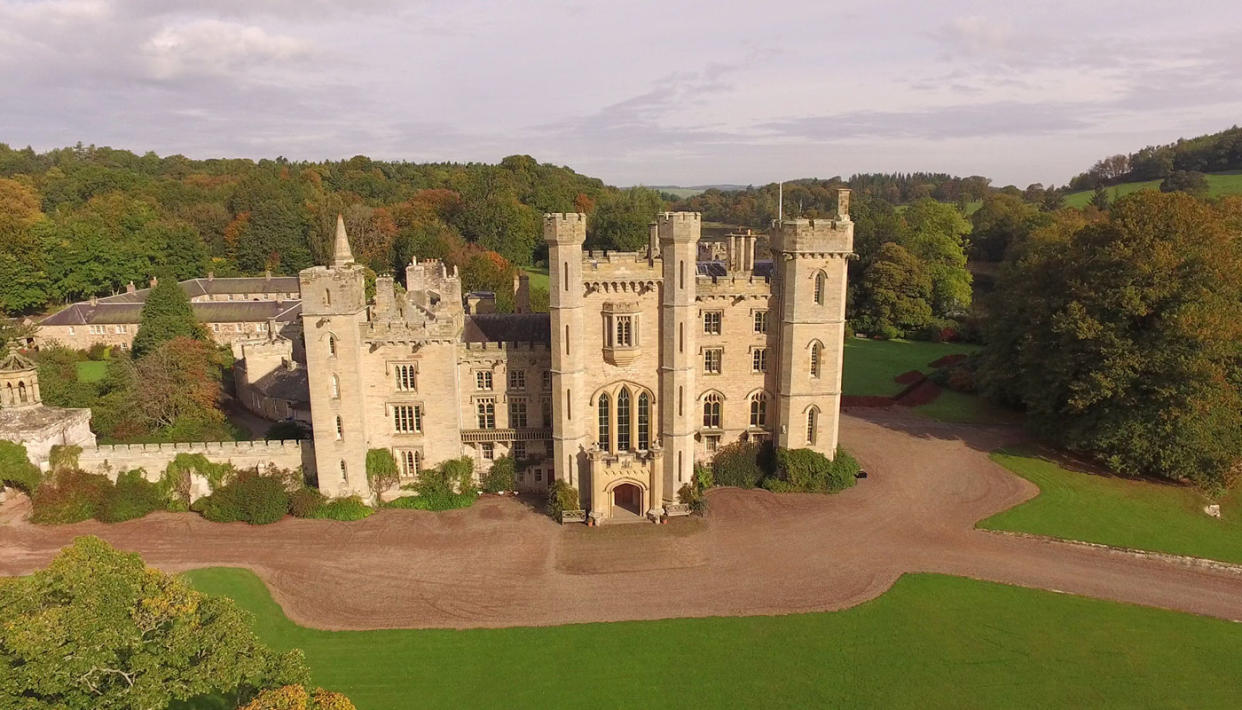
639	432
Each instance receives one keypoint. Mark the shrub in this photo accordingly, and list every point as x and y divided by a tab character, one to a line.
703	477
305	501
132	497
382	472
16	469
72	497
250	498
743	464
447	486
351	508
810	471
502	476
433	502
64	457
562	497
97	351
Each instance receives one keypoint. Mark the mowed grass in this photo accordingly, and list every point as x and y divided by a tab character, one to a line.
538	277
1138	514
1223	183
871	365
930	642
92	370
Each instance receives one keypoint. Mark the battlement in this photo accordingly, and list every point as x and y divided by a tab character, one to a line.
695	217
568	228
830	236
112	459
201	447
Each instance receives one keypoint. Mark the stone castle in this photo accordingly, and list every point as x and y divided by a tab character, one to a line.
646	363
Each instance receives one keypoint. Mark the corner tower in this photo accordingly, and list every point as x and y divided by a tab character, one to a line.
333	316
565	234
679	245
811	270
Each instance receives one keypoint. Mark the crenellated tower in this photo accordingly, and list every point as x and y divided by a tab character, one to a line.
679	243
811	260
334	313
565	234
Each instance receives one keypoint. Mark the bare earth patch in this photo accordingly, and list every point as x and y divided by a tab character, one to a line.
500	563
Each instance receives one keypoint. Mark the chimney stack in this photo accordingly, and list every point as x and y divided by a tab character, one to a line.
154	282
130	287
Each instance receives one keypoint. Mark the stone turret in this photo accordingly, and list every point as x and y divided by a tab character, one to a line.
565	235
19	382
679	244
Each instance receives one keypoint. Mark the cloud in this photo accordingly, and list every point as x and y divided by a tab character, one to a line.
216	48
975	35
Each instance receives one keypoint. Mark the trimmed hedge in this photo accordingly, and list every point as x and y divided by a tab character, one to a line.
434	501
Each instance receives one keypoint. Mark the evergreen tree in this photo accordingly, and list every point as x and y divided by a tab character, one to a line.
166	315
895	294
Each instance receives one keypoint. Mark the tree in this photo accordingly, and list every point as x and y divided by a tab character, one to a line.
166	314
1124	340
274	238
178	386
382	471
297	697
621	219
98	629
895	294
936	237
1100	198
1000	220
1188	181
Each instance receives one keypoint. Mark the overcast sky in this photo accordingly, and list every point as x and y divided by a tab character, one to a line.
633	92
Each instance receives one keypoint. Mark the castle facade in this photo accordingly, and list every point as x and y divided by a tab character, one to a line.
646	363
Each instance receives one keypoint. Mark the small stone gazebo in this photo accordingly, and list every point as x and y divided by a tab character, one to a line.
25	420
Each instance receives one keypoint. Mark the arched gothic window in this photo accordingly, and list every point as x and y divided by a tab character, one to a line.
335	387
816	358
623	420
21	392
759	409
812	425
711	411
819	288
605	440
340	428
344	474
644	422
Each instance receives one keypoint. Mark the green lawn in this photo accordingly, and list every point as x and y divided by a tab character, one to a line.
931	641
1118	511
92	370
871	365
1223	183
538	277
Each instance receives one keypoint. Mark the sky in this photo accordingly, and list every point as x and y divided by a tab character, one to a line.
633	92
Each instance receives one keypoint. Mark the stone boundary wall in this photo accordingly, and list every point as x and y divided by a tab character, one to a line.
111	459
1184	560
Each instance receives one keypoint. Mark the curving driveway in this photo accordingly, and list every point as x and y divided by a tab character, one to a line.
503	564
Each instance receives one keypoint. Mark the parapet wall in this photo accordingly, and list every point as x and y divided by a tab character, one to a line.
112	459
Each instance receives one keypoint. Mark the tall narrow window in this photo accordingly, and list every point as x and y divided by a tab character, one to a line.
812	425
644	422
816	356
405	377
517	414
761	321
605	443
681	337
565	279
681	274
569	406
566	340
332	345
680	399
334	387
486	412
344	472
759	360
759	410
819	288
545	409
340	428
623	420
711	411
712	358
327	300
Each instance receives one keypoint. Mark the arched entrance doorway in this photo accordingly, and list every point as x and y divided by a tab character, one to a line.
627	500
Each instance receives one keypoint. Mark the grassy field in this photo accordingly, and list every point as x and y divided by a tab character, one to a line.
538	277
1117	511
931	641
92	370
1224	183
871	365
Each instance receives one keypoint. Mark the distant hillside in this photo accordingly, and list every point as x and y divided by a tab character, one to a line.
1228	182
1212	153
684	192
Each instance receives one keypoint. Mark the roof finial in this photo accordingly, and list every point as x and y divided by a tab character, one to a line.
341	255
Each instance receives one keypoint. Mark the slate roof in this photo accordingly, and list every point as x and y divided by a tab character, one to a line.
106	313
508	328
283	383
213	286
16	362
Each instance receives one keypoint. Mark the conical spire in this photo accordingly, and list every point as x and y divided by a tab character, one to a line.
341	255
